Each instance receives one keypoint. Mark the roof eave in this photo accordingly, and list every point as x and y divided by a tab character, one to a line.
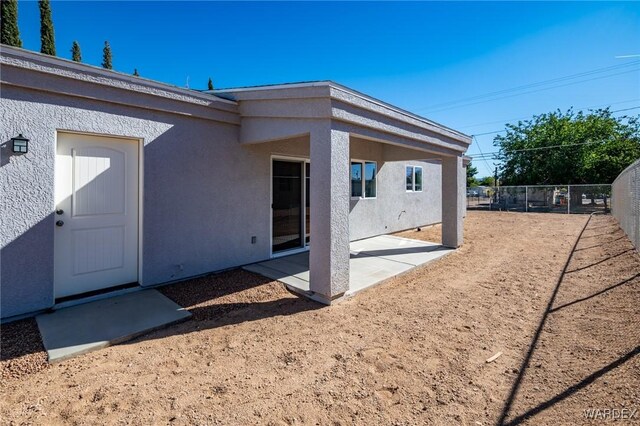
244	93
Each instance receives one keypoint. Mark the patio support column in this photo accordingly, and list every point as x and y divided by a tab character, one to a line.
329	198
453	193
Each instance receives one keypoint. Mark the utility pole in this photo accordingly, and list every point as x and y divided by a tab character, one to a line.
497	185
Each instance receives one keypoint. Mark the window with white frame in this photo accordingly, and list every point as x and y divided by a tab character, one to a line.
363	179
413	178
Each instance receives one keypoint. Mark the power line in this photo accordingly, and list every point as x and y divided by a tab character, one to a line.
494	153
480	149
544	82
522	118
489	133
530	85
504	130
533	91
626	109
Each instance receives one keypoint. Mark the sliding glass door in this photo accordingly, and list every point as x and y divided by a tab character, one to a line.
287	205
307	204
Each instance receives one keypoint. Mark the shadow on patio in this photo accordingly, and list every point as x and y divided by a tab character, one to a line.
372	260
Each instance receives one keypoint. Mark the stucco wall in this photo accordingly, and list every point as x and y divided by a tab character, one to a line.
394	209
195	173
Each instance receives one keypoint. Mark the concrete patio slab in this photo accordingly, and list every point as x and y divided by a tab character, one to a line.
373	260
274	274
402	250
296	265
366	271
73	331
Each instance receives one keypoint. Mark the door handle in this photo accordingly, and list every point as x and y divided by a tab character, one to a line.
59	223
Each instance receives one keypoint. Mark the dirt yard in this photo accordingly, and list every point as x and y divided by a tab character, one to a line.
410	351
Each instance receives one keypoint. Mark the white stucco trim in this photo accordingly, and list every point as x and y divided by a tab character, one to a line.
340	93
21	58
359	101
317	83
381	136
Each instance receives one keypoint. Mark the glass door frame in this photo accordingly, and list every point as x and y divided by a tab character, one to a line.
303	161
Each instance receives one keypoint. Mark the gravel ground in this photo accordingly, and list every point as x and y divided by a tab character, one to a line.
216	296
411	351
21	350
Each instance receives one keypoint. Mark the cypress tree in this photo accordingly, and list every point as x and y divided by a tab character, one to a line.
210	84
9	32
47	38
76	55
135	72
106	56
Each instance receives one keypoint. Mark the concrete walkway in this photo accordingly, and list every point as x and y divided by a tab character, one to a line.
373	260
73	331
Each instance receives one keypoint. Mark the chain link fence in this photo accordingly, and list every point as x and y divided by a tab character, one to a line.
626	204
578	199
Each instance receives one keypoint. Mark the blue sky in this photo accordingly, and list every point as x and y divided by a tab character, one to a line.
413	55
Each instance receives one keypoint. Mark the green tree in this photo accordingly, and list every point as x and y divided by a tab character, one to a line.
471	173
210	84
76	55
47	38
487	181
106	56
568	148
9	32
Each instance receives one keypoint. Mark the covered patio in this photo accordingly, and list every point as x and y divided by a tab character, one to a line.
329	127
371	261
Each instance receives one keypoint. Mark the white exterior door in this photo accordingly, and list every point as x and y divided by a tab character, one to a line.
96	218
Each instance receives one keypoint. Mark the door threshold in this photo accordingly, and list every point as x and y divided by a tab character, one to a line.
66	302
289	252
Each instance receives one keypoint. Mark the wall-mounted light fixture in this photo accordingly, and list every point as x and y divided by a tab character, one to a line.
20	144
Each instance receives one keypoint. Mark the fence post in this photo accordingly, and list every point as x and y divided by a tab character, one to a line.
568	199
526	198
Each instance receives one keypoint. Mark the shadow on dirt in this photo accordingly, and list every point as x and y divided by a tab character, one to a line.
231	297
509	418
